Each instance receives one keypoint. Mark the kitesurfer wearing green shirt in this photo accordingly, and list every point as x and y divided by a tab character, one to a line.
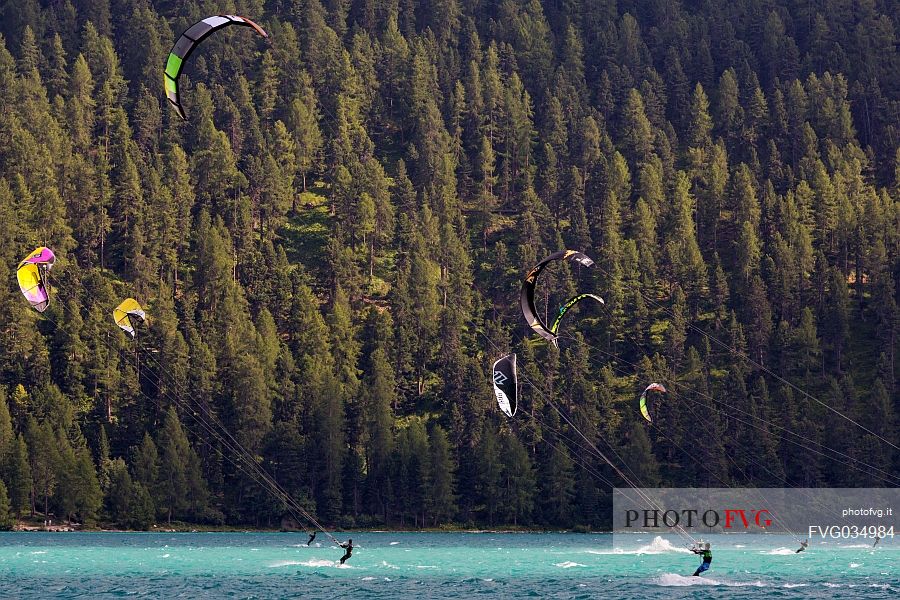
707	558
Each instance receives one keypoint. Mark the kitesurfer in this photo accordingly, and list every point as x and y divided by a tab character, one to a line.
312	538
707	558
349	546
803	546
877	539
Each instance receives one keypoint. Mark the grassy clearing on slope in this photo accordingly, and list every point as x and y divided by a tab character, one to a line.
305	235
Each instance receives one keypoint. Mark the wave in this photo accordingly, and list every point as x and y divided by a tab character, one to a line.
778	552
284	563
569	564
659	545
880	586
676	580
316	562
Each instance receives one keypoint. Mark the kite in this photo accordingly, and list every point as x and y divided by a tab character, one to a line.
506	385
645	410
188	42
569	304
529	285
125	313
32	276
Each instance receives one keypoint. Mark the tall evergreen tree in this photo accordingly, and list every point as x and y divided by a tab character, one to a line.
441	496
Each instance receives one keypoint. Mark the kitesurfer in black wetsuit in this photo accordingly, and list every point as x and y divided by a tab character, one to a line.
349	546
707	558
312	538
803	546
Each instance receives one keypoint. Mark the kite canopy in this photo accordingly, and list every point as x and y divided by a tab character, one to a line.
506	385
189	41
554	329
126	313
645	410
32	276
529	285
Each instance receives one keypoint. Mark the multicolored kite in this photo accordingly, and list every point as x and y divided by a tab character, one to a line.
186	44
645	410
126	312
33	279
526	297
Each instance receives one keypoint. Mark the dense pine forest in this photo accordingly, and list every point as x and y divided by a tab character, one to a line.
330	250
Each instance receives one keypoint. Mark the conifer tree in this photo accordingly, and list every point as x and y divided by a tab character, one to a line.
701	122
441	497
489	473
7	435
640	457
684	253
303	124
836	319
6	521
43	461
17	472
88	494
519	485
118	492
379	399
638	133
557	485
172	482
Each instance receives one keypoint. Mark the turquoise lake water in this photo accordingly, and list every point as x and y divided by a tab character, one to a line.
420	566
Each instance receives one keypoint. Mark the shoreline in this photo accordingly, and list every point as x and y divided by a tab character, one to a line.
183	528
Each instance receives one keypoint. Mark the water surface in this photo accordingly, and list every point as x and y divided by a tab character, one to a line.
436	565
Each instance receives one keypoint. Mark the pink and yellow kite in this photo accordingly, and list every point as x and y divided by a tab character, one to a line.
33	280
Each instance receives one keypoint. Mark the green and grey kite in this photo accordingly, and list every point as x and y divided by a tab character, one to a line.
186	44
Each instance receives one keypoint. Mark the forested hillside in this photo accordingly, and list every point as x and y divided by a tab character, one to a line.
330	250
